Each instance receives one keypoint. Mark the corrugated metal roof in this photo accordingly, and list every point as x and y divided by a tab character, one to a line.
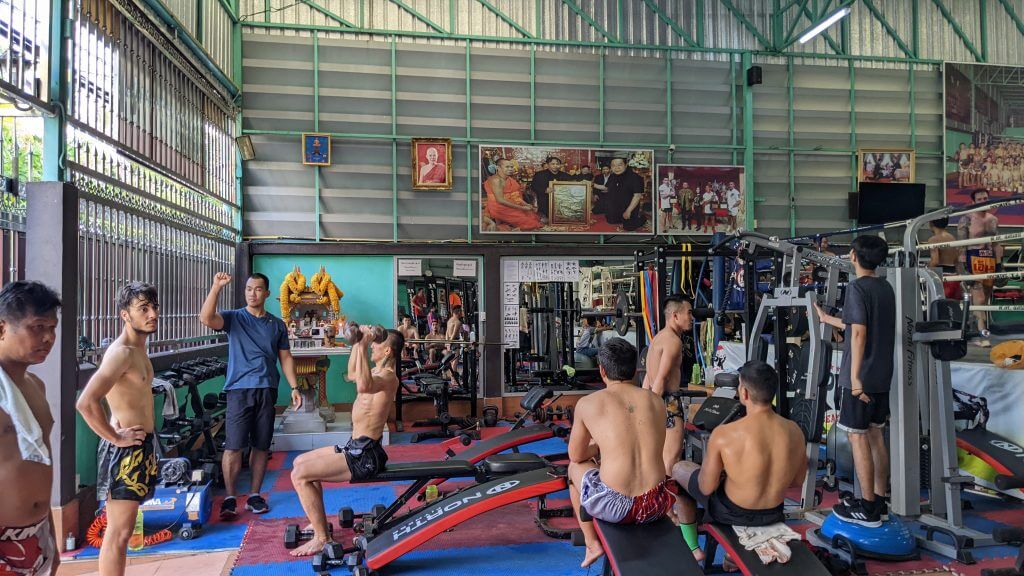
636	23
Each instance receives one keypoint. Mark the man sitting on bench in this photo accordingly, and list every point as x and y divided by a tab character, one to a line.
624	424
363	457
748	464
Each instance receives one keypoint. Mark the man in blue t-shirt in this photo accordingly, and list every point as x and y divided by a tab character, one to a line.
256	341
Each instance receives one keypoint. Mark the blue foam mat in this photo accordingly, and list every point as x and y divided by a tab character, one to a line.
359	498
216	536
559	559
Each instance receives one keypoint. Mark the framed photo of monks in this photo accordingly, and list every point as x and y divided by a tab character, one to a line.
431	164
557	190
700	199
885	165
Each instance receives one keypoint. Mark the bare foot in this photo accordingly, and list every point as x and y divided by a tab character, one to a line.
314	546
729	566
593	553
698	554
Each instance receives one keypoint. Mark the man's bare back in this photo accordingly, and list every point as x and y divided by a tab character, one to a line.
454	329
627	424
664	358
26	494
943	256
763	454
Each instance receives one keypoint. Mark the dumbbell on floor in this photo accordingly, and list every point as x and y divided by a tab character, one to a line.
354	333
293	535
335	555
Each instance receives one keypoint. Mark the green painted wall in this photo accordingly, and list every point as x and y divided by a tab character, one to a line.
86	442
1014	132
369	286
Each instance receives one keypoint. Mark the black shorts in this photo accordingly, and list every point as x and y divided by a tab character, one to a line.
249	418
127	473
365	457
718	508
856	416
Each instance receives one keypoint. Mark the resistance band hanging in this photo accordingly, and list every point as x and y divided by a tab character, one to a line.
644	310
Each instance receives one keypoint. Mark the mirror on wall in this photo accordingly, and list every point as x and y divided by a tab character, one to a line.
547	340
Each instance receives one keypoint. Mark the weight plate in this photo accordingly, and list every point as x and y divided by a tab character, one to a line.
795	369
621	313
643	358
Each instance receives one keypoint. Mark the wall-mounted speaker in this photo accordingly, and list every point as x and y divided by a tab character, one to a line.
753	76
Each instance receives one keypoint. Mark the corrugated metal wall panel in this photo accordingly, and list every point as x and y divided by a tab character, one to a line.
938	39
185	12
356	193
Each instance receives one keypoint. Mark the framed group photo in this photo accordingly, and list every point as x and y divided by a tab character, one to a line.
692	199
556	190
431	164
895	165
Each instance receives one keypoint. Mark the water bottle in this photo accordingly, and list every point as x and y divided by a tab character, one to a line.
138	539
431	493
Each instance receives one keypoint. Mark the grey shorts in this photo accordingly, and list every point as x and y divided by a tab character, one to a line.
607	504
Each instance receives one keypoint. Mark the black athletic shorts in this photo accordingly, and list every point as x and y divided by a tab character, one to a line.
718	508
856	416
249	418
127	473
365	457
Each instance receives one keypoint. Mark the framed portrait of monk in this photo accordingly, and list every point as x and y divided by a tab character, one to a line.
316	149
431	164
569	202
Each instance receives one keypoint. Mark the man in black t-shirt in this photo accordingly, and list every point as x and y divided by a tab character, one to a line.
541	183
869	318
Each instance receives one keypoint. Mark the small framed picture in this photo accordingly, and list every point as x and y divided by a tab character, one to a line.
569	202
431	164
894	165
316	149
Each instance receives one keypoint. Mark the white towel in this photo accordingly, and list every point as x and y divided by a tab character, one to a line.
170	398
769	542
30	434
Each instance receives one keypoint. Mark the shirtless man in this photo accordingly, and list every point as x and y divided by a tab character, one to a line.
761	455
980	258
28	328
664	358
943	260
127	458
624	426
454	332
363	457
409	332
434	351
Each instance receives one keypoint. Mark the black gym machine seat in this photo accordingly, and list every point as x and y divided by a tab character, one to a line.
802	562
654	549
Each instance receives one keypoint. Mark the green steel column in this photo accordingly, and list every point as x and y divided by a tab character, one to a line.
316	128
915	18
533	92
266	10
394	142
54	135
734	116
600	99
236	47
451	16
618	21
792	155
538	22
913	111
853	128
983	28
469	153
362	13
748	141
199	22
469	192
699	19
668	97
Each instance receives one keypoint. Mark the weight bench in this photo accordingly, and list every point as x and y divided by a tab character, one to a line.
803	561
502	480
655	549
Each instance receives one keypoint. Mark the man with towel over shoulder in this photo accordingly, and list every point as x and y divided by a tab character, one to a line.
28	329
